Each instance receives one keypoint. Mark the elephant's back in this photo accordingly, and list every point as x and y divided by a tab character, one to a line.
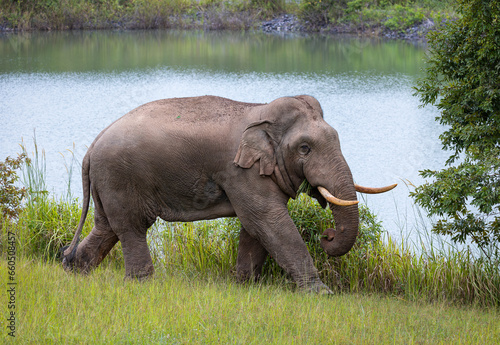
200	119
192	110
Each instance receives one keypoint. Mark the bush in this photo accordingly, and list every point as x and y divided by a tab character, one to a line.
269	7
211	248
319	13
10	194
403	17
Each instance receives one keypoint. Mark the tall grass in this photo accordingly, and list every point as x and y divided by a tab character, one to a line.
376	264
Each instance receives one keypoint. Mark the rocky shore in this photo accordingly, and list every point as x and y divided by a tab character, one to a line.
288	23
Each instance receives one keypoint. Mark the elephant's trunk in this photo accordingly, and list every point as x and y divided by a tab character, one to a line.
338	241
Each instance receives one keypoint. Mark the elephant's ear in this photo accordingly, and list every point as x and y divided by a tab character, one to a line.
257	144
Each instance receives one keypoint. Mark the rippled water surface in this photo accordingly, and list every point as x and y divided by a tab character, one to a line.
66	87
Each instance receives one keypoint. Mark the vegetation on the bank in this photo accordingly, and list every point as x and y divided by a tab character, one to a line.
376	264
337	15
396	15
462	80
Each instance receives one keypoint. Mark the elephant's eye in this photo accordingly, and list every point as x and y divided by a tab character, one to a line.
304	149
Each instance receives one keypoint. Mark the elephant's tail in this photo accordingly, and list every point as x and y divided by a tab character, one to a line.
69	252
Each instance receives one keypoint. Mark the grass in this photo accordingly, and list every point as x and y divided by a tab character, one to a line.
53	306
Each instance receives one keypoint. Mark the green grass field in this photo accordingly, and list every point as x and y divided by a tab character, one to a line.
55	307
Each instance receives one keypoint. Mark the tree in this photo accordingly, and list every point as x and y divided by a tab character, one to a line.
462	79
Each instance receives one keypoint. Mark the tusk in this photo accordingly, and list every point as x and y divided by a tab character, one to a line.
331	199
368	190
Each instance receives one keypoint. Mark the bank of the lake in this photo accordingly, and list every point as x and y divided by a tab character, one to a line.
394	19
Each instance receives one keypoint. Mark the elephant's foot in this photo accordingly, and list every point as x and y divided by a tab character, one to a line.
68	260
315	286
140	274
244	276
90	252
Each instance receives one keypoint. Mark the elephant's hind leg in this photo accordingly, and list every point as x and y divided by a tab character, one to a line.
128	221
138	263
251	257
94	248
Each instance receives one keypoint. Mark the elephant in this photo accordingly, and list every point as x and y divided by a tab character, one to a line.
198	158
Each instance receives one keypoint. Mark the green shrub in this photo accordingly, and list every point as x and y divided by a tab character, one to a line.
10	194
270	7
318	13
11	197
403	17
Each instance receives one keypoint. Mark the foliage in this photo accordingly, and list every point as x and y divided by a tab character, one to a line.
374	265
311	220
10	194
206	248
269	6
45	224
462	80
395	17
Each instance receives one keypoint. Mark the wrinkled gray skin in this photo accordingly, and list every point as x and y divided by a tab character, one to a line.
207	157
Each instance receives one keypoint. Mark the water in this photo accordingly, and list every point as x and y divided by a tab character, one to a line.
66	87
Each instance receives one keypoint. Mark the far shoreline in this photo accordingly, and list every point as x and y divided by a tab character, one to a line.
281	24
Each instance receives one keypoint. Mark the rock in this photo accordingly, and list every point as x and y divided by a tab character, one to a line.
283	23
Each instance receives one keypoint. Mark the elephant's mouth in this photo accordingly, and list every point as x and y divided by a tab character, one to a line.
338	241
334	200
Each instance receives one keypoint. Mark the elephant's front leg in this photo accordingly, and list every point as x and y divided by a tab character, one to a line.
262	210
251	257
278	234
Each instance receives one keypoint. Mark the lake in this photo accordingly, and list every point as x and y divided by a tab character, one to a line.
65	87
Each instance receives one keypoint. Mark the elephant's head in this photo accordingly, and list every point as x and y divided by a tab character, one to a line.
292	143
